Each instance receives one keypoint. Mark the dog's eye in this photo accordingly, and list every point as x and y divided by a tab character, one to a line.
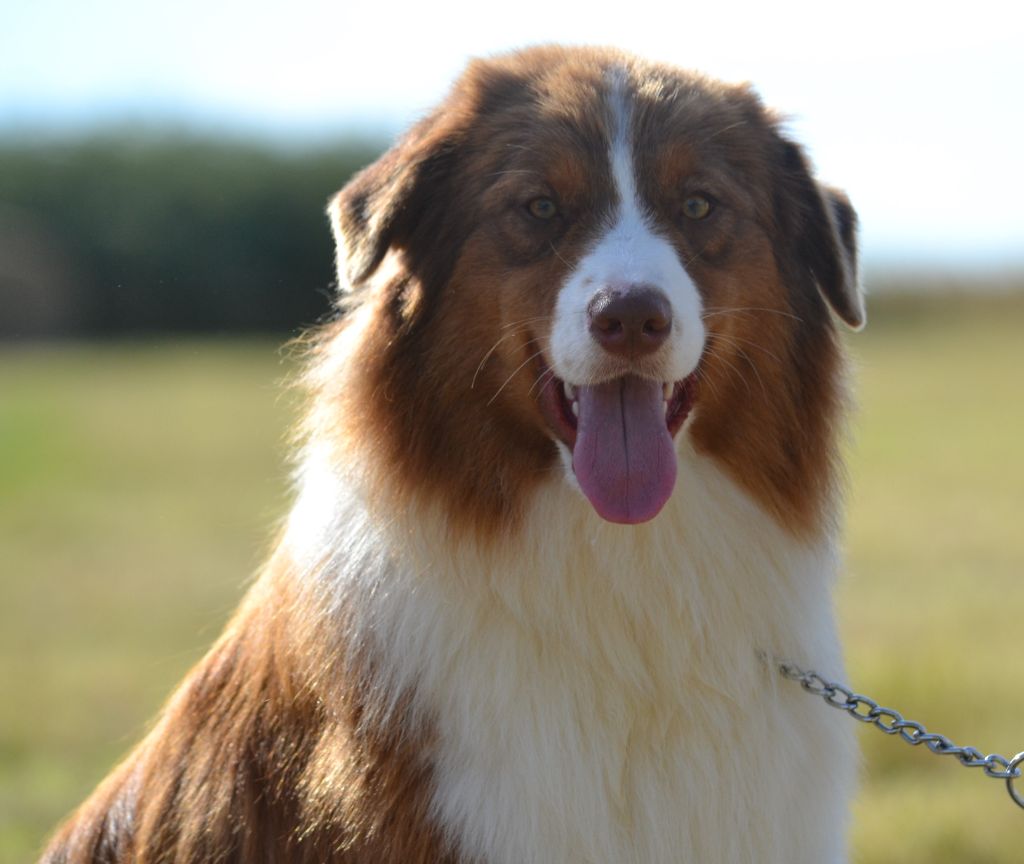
542	208
696	207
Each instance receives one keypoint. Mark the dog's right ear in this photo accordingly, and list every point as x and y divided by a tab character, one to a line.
388	204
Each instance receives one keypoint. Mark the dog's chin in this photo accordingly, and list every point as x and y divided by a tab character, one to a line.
617	439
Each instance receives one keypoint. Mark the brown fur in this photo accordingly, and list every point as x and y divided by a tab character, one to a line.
261	756
270	751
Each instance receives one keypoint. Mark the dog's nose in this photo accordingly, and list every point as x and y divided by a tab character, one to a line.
630	321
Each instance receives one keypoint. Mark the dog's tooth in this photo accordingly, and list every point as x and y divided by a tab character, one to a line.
576	408
570	391
667	389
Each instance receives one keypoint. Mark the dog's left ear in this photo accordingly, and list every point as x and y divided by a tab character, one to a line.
822	226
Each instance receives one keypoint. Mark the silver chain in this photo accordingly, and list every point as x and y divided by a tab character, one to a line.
892	723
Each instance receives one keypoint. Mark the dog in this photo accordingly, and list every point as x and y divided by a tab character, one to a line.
568	480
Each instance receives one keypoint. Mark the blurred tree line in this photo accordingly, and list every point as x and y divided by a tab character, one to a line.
133	233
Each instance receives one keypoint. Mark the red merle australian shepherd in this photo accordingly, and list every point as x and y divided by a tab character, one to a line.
568	475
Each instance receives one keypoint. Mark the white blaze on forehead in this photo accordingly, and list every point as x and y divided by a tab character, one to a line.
629	251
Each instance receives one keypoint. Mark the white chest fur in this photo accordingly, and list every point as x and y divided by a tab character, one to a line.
597	688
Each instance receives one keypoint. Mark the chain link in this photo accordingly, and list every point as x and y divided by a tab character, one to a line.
891	722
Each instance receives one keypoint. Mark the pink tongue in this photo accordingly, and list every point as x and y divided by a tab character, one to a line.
624	458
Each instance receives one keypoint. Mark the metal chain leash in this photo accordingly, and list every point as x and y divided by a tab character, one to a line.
892	723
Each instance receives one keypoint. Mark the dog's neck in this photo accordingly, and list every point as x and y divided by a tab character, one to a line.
572	630
711	563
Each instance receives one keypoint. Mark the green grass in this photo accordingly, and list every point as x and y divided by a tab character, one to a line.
139	485
932	598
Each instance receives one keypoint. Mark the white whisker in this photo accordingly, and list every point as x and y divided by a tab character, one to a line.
493	348
733	339
514	373
546	373
708	313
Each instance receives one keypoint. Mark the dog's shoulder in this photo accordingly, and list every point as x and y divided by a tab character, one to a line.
247	763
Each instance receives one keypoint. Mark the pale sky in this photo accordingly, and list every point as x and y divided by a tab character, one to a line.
916	109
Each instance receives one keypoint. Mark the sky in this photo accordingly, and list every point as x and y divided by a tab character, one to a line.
915	109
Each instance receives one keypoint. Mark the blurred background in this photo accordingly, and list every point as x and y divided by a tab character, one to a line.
163	173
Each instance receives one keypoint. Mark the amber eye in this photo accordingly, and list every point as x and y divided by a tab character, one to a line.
542	208
696	207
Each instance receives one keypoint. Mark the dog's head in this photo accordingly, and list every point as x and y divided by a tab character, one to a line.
594	255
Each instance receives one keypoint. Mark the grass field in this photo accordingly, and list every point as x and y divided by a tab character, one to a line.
139	484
